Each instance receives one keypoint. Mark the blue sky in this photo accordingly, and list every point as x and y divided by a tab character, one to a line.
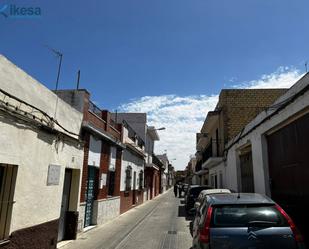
129	49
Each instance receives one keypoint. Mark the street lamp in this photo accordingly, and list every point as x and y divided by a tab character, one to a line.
160	129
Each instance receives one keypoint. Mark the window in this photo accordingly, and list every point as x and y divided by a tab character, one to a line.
111	171
112	160
141	179
241	215
128	180
111	183
7	186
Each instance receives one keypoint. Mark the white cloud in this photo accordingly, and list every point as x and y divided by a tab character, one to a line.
283	77
183	117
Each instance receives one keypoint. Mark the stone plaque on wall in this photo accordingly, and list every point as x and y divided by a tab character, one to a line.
53	175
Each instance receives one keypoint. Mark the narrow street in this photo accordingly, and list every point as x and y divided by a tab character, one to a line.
157	224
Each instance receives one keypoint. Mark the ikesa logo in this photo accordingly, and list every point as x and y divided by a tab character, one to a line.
14	11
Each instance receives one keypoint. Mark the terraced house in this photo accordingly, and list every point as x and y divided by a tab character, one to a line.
133	168
235	109
41	160
270	155
147	134
100	186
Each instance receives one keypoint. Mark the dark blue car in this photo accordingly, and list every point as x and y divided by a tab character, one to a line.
243	221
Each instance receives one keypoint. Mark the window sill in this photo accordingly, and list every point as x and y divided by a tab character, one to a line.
4	242
112	197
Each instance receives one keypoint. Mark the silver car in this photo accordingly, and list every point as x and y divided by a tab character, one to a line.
243	221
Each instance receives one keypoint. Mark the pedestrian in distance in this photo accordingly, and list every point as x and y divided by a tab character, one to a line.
175	189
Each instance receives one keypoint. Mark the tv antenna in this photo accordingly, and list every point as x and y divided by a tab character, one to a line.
306	63
59	55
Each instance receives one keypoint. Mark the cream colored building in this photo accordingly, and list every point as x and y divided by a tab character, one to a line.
234	110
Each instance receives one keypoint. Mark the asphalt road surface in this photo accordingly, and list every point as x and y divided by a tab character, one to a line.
157	224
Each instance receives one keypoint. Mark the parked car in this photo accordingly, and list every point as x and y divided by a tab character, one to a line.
184	188
203	194
187	190
244	221
192	194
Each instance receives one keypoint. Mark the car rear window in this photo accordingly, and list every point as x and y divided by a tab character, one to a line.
196	191
243	215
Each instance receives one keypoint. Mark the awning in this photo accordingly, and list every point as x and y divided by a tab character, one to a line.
151	165
135	149
102	134
212	162
201	172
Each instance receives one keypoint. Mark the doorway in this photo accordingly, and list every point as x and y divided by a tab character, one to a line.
64	203
246	172
90	195
134	189
8	175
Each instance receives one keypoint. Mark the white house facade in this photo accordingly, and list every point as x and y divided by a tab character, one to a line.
40	162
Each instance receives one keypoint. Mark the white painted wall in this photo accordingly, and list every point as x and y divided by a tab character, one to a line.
95	148
18	83
231	170
220	168
33	150
258	141
136	162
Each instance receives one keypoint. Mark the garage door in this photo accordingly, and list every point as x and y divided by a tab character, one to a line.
288	152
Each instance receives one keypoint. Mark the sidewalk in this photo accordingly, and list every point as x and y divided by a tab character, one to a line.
112	233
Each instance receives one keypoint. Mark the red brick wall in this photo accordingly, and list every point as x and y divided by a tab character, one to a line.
101	124
118	172
156	182
152	178
41	236
96	121
104	162
148	182
112	128
126	199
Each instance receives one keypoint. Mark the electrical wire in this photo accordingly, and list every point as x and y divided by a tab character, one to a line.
51	119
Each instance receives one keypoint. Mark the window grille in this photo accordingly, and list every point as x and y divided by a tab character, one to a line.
128	178
141	179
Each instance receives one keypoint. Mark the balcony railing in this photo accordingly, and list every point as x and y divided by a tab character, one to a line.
207	153
96	110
